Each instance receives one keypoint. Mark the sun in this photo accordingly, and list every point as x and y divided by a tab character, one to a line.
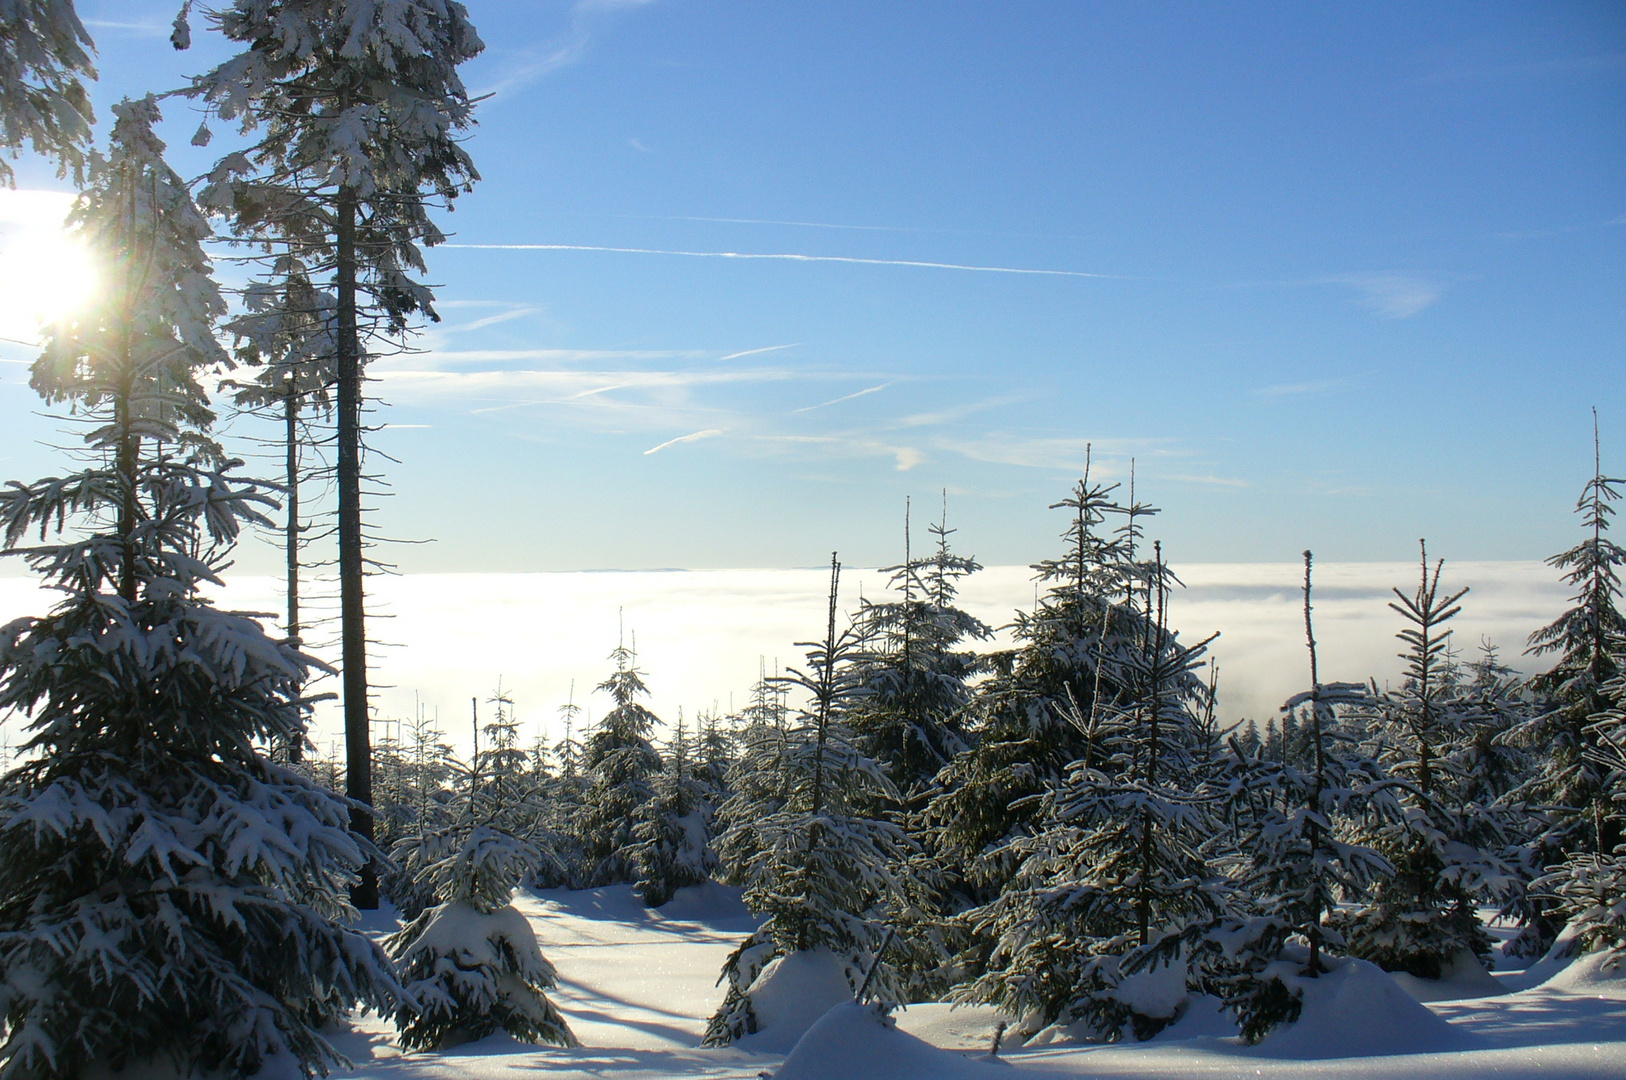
45	274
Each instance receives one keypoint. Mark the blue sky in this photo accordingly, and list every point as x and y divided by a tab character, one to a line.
1335	276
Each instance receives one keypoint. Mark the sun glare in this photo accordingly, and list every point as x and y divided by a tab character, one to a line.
44	273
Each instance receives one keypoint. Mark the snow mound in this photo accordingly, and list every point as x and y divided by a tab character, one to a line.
955	1027
708	903
1600	974
1358	1010
1201	1017
1464	977
791	994
1158	992
860	1042
1563	952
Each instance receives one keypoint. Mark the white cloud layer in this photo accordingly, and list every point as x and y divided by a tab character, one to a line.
700	633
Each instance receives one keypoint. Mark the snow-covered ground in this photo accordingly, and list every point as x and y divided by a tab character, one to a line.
638	985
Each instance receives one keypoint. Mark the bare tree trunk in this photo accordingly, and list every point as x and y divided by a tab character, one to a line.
352	599
1314	928
290	414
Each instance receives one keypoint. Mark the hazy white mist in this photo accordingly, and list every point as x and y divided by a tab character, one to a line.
700	634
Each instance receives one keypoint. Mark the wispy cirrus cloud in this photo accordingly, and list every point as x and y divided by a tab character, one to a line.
843	227
430	360
1314	388
1109	457
955	413
565	386
1392	295
783	256
492	320
1206	479
586	19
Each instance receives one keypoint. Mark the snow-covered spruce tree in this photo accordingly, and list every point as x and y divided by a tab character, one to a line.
1296	859
1590	640
825	872
916	671
562	797
44	58
757	781
471	962
1489	763
493	793
167	893
357	113
621	764
674	828
1589	889
501	786
1423	918
1248	738
1489	767
426	804
1118	877
1074	648
714	755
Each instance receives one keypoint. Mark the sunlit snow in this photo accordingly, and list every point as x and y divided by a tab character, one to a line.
637	985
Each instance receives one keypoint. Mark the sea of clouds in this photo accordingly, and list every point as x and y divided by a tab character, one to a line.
702	636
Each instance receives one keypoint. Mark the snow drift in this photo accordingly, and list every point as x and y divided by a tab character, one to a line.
791	994
859	1042
1358	1010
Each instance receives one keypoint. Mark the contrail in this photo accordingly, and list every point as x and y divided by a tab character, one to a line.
684	438
753	352
788	257
802	224
839	400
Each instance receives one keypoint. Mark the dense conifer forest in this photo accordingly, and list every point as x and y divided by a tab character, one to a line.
1062	828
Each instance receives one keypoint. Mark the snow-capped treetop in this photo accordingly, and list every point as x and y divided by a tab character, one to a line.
1427	687
130	365
1590	639
1590	636
44	56
355	106
139	222
1094	561
626	683
363	95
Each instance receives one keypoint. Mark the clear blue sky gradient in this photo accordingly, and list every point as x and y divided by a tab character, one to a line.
1355	275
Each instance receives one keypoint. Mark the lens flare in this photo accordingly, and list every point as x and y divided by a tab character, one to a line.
45	274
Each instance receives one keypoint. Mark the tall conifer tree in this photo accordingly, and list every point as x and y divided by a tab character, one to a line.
917	672
1590	642
622	763
1424	917
1077	647
356	111
1295	860
167	893
1119	871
